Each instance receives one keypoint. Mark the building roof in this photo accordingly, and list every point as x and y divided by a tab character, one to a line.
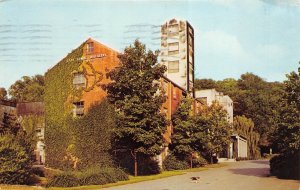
30	108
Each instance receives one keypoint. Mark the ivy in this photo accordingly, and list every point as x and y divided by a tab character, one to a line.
59	96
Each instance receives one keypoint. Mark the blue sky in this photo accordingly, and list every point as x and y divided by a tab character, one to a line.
231	36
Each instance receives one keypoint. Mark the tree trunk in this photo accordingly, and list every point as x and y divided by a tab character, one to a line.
191	161
133	153
135	165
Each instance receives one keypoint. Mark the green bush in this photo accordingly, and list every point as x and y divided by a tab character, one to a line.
65	179
286	166
172	163
15	160
199	162
91	176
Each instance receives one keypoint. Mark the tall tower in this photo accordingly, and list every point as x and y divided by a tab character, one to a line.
177	53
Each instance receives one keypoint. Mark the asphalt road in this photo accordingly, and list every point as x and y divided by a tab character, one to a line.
245	175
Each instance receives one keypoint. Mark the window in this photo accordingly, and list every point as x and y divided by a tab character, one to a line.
173	66
90	47
176	52
78	108
79	80
173	48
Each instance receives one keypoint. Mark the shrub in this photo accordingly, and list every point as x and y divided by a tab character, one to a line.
199	162
15	160
91	176
286	166
172	163
65	179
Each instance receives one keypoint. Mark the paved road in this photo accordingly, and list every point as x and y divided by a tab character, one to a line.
245	175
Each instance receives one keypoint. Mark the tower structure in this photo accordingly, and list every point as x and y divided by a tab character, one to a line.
177	53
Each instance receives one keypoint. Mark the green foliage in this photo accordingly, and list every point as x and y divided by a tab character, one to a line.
28	89
202	84
3	94
31	124
140	124
92	136
65	179
172	163
199	162
245	127
208	132
183	127
212	134
58	104
286	166
254	98
15	159
287	134
10	124
91	176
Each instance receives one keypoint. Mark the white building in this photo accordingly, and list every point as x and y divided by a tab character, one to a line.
209	96
177	53
238	146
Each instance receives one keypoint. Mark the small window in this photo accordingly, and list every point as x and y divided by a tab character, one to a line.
79	80
90	47
78	108
173	66
176	52
173	46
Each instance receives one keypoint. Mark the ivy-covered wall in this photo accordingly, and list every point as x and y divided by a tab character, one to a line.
58	107
61	131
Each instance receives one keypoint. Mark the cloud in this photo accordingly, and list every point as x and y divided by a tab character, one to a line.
220	55
219	43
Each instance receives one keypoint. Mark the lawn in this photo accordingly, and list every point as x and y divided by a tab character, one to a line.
132	179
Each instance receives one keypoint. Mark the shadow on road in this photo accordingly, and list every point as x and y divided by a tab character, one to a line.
259	172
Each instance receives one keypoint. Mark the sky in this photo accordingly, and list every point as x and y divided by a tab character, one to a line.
232	37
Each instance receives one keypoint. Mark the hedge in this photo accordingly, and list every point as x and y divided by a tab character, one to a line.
91	176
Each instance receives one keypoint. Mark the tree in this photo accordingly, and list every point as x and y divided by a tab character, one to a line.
3	93
183	125
207	133
201	84
245	127
286	137
16	153
212	132
140	123
28	89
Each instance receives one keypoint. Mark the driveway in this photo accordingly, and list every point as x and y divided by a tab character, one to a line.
245	175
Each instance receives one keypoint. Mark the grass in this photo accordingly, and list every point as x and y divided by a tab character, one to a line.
131	180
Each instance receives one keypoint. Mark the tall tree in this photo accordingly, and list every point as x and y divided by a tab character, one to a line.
286	137
214	127
201	84
140	123
3	93
28	89
245	127
183	125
